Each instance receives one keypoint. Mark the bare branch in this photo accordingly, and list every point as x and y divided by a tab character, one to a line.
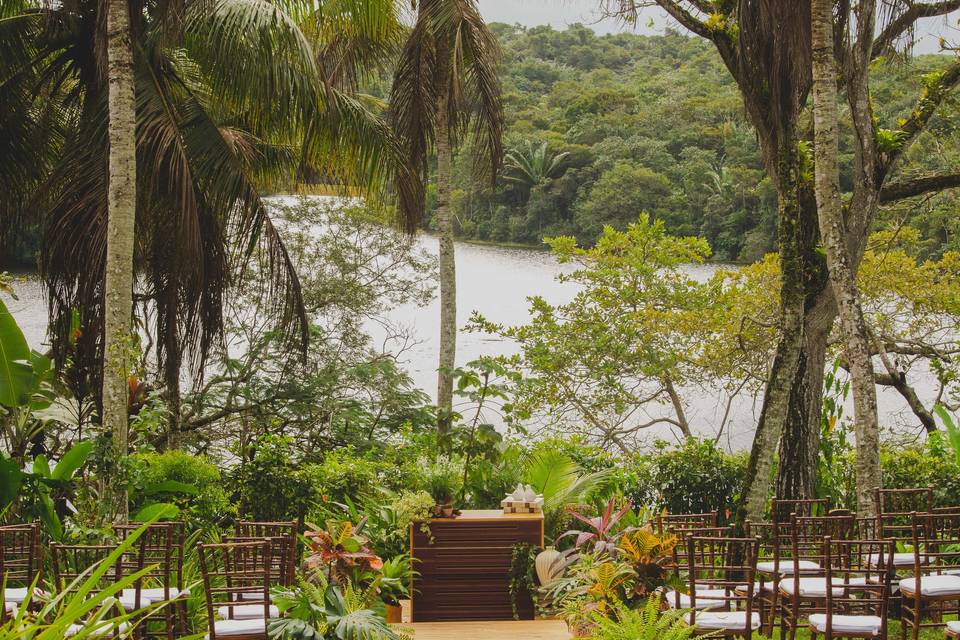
889	36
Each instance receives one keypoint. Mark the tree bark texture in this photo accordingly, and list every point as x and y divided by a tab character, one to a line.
448	273
842	274
786	362
121	208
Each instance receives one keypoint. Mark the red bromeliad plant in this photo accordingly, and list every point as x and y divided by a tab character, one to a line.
603	533
340	550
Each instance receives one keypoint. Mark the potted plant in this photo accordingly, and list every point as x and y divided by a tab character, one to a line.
443	483
395	578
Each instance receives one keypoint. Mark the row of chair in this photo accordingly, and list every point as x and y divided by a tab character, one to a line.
237	574
909	551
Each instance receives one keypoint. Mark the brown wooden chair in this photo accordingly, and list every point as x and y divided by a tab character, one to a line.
718	568
676	598
856	590
20	562
162	544
764	587
934	587
73	564
803	588
237	582
953	630
284	538
666	521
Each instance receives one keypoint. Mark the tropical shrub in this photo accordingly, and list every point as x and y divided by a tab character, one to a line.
273	485
693	477
190	482
643	623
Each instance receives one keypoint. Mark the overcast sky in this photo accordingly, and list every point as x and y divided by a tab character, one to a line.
560	13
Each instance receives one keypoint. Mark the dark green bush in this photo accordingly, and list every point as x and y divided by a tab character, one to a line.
693	477
156	476
273	485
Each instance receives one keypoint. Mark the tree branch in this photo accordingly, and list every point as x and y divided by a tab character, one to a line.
931	97
884	42
919	186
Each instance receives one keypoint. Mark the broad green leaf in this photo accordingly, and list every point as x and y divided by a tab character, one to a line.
157	511
48	515
16	375
41	467
72	460
11	479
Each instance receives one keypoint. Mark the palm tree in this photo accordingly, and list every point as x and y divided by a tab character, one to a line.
233	98
121	222
446	83
531	165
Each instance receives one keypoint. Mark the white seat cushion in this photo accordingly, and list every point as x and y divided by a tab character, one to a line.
730	620
767	588
251	596
786	566
19	594
246	612
704	600
809	588
899	559
10	607
225	628
103	629
954	626
847	624
156	594
129	601
932	585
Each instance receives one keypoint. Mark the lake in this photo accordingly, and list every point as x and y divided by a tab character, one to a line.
497	281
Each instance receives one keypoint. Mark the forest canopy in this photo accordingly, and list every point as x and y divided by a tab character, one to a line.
602	127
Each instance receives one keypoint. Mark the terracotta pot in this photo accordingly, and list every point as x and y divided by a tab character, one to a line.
394	613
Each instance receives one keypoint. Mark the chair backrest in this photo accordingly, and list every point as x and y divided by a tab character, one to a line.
667	521
236	574
19	555
159	553
781	510
806	541
858	573
723	565
936	544
73	561
903	502
284	538
680	555
279	559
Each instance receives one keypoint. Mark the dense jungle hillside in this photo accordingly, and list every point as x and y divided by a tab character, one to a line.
600	128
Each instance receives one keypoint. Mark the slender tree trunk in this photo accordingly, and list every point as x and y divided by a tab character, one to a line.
121	208
448	273
783	371
842	276
171	369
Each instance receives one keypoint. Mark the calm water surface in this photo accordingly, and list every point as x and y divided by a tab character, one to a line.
496	281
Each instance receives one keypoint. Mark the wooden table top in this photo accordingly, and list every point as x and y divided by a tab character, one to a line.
487	515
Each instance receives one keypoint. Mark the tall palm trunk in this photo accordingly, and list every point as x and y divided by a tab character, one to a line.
121	208
833	235
448	272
